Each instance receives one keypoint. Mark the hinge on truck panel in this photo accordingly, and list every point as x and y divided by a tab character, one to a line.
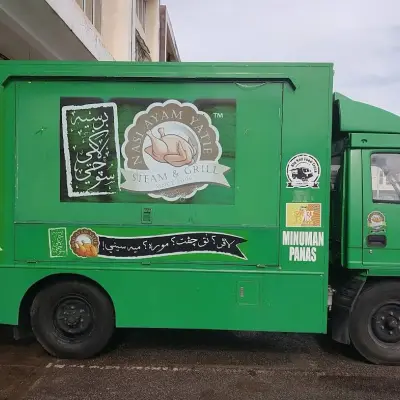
331	291
268	266
147	215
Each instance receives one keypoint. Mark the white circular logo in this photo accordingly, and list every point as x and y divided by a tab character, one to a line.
171	151
302	171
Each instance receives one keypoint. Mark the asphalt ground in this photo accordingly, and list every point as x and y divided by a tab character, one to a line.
159	364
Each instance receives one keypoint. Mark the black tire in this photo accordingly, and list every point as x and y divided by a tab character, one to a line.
72	319
376	313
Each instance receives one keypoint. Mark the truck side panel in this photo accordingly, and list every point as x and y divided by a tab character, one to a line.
263	229
246	203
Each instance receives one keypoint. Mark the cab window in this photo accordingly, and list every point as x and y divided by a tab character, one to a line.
385	176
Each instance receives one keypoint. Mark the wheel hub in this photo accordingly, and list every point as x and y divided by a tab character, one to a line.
73	317
386	323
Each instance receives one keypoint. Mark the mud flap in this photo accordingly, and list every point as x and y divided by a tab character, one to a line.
342	305
20	333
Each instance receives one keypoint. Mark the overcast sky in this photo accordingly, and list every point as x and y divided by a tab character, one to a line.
362	38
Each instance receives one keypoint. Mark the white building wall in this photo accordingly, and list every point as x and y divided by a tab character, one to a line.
36	26
152	33
59	29
73	16
150	30
118	28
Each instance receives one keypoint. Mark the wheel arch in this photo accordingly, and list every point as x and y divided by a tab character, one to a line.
344	301
27	299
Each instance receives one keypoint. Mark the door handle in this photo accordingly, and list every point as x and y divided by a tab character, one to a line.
376	240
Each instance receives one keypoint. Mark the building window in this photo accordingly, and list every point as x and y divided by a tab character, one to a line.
92	9
142	51
141	11
381	176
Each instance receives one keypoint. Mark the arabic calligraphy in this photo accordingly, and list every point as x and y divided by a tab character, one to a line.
144	247
91	149
58	242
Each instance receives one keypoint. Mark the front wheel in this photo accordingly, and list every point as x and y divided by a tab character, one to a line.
375	323
72	319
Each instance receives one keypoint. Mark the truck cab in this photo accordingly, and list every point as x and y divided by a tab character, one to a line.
365	229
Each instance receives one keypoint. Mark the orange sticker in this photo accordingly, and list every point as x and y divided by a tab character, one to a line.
303	215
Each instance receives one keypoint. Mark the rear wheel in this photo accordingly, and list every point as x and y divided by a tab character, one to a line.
72	319
375	323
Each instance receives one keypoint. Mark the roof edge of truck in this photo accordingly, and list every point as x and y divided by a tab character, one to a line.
355	116
124	69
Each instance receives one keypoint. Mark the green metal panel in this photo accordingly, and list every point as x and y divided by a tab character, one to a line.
7	157
338	209
127	71
342	204
353	221
388	256
40	235
234	255
360	117
245	141
378	270
374	140
187	298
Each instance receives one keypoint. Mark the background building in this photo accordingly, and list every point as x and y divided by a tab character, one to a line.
106	30
382	188
168	48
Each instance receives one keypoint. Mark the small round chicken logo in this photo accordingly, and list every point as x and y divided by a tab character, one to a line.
171	151
84	243
376	221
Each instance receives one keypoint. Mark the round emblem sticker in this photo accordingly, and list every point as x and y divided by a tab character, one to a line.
171	151
303	171
376	221
84	243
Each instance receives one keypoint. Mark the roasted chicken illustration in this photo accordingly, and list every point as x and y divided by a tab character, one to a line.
170	149
85	249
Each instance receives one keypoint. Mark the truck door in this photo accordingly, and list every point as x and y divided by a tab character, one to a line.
233	152
381	208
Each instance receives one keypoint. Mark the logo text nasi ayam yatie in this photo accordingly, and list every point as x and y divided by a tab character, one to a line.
171	150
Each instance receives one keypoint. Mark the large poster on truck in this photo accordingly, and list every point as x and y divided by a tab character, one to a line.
166	149
127	150
164	172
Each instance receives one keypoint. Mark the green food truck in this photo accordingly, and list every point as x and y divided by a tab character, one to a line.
222	196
